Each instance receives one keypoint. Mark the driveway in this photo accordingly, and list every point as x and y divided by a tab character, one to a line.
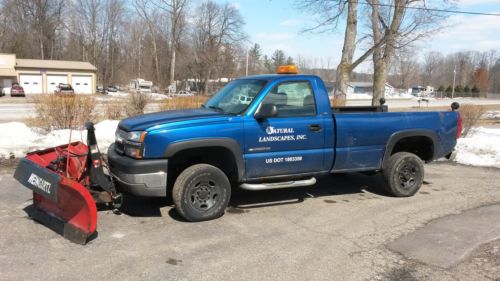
336	230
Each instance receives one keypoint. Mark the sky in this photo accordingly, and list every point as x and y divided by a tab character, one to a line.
277	24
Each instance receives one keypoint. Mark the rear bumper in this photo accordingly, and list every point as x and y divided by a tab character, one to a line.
452	155
141	177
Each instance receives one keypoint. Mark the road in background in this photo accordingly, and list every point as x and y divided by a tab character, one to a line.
19	112
404	103
18	109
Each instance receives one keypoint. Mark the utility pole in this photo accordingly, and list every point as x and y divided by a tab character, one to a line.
454	76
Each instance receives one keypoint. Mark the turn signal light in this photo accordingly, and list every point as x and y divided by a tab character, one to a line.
287	69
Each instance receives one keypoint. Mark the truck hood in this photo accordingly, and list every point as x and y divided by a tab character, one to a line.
145	121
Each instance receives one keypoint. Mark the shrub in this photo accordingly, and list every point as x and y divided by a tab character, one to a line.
470	113
136	103
114	111
183	102
337	102
62	112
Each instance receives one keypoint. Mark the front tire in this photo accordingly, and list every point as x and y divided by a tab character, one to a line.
201	192
404	174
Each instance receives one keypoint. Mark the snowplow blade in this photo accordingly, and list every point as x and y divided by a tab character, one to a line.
60	199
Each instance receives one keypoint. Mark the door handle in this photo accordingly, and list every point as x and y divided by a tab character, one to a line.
314	127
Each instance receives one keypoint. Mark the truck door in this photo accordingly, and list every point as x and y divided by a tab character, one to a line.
292	141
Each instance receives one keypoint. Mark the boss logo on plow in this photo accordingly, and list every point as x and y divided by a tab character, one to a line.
40	183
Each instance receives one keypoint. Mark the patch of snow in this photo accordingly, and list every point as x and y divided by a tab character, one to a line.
364	96
117	94
157	96
491	115
122	95
17	139
480	148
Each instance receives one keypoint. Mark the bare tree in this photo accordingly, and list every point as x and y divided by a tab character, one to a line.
215	27
33	26
406	68
330	13
396	24
148	12
176	10
432	62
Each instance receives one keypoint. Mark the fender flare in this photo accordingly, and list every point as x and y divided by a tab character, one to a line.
227	143
397	136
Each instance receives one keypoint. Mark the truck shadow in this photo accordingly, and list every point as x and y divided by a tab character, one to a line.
328	187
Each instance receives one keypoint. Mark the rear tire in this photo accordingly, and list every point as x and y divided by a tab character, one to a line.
404	174
201	192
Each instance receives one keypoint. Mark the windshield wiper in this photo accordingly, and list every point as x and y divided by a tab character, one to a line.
216	108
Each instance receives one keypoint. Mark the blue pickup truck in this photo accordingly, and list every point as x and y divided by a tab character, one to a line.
272	131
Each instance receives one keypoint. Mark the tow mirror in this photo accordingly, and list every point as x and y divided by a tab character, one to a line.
266	110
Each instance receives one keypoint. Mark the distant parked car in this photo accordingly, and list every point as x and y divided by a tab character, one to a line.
16	90
101	90
64	89
112	89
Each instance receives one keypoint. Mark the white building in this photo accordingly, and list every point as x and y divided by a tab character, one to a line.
42	76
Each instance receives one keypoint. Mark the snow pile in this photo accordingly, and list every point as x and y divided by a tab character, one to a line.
157	96
352	96
491	115
365	96
17	139
480	148
118	94
153	96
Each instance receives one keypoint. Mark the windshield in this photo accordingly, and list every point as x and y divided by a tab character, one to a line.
236	96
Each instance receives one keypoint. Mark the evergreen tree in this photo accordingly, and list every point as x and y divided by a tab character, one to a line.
466	91
254	59
278	59
448	91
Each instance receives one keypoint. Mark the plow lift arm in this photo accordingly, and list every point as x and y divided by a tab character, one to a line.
68	182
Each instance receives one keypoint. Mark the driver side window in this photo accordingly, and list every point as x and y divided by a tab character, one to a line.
292	99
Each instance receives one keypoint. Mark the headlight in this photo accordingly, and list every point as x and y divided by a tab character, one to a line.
130	143
136	136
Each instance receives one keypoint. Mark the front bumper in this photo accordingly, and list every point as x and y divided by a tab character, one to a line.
141	177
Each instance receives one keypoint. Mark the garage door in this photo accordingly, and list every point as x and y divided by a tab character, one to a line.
54	80
82	84
32	83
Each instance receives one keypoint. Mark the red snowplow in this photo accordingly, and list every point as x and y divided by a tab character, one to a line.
68	182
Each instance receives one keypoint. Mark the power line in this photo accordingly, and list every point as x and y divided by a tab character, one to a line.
433	9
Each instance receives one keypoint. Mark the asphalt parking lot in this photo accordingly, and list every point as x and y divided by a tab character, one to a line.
336	230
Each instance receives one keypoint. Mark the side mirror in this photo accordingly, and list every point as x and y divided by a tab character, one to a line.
266	110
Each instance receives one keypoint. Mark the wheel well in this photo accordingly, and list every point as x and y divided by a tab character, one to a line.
421	146
219	157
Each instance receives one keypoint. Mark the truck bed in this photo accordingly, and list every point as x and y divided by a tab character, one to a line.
361	137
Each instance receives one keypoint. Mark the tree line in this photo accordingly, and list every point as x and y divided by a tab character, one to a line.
386	31
474	72
160	40
177	40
